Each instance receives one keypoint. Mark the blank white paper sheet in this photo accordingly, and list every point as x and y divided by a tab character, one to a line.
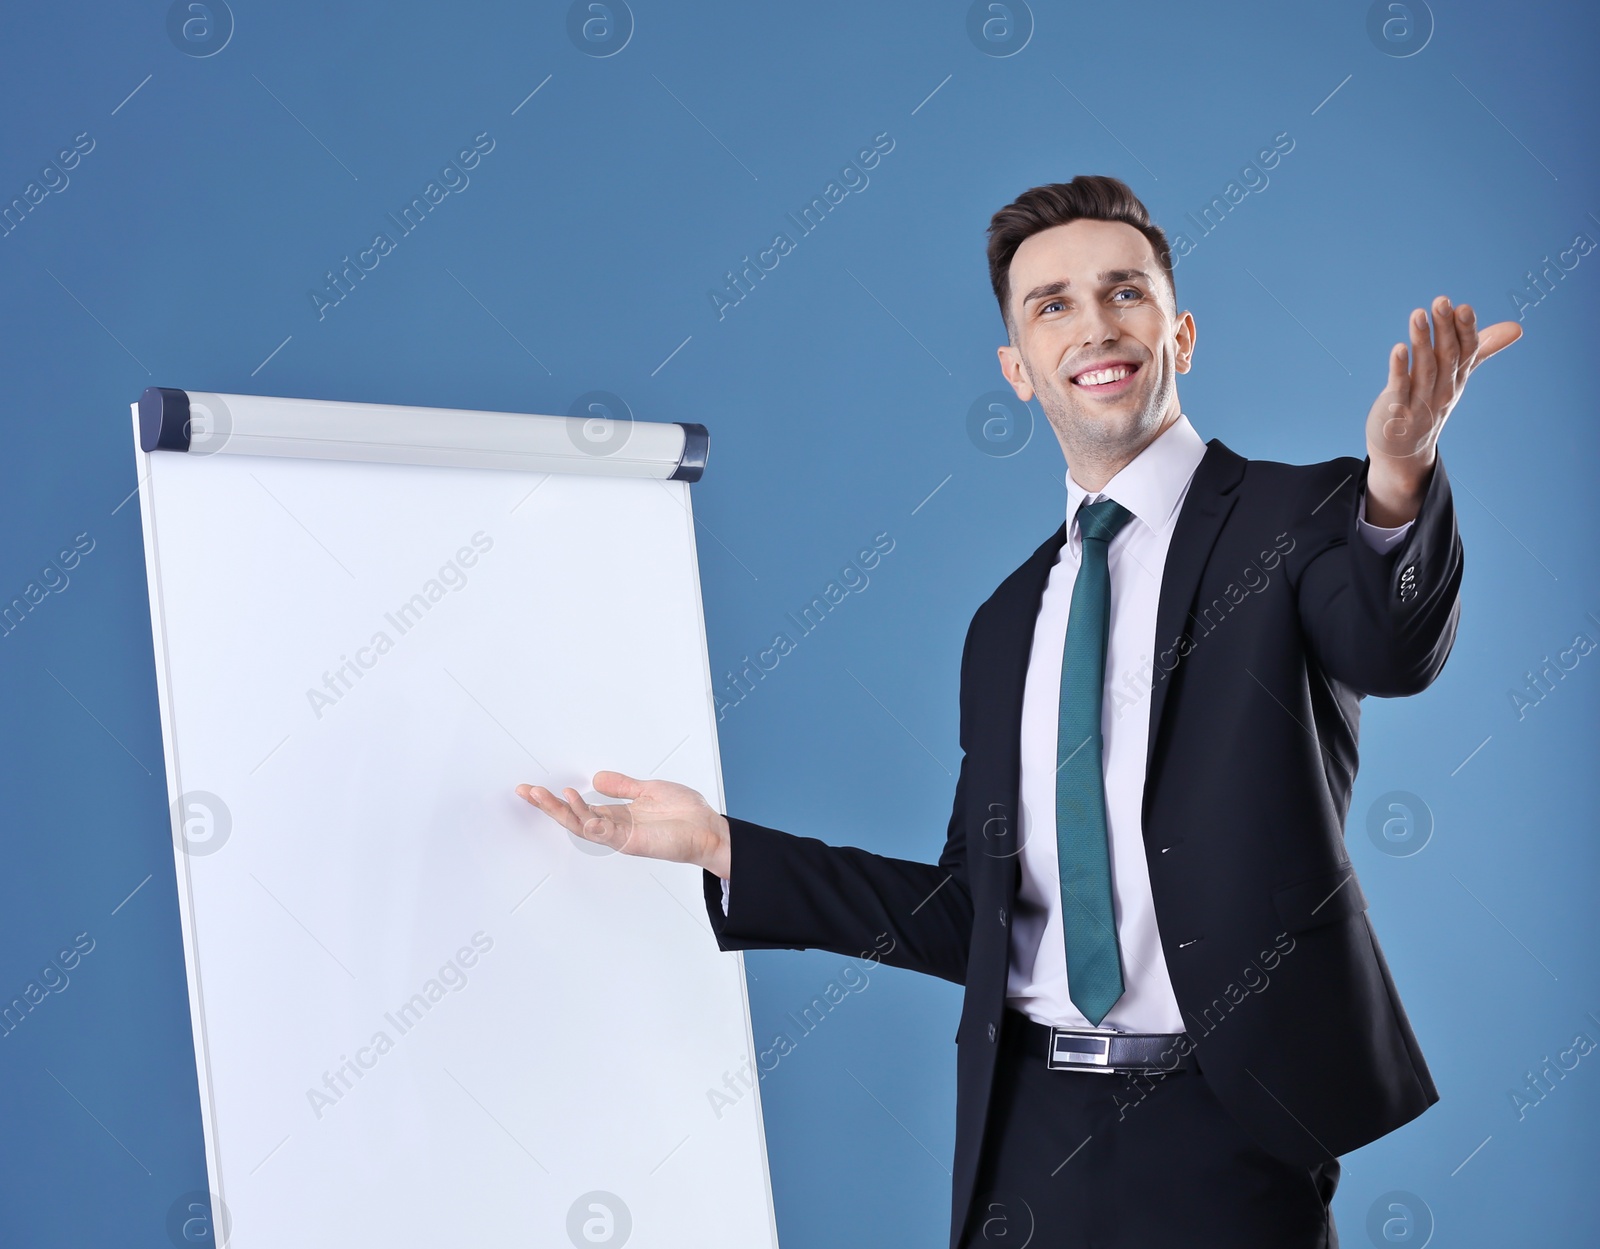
424	1014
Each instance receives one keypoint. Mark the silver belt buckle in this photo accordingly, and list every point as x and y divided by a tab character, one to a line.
1073	1049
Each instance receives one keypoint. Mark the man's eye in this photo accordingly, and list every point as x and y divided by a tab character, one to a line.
1054	303
1129	290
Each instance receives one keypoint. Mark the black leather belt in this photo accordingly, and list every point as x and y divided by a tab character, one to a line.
1093	1049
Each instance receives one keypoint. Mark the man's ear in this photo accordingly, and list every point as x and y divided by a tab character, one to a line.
1184	334
1011	366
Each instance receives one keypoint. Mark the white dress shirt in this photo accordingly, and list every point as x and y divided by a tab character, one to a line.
1152	486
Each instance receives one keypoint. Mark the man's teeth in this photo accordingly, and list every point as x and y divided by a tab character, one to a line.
1101	376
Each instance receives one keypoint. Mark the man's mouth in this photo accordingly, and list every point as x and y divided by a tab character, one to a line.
1105	379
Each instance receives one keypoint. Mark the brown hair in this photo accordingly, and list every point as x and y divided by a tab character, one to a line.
1087	197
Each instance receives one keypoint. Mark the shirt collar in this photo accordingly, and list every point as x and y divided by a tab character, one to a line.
1151	483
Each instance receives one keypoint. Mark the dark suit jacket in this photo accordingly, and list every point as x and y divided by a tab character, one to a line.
1275	619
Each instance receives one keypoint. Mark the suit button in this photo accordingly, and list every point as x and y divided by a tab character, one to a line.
1002	917
991	1032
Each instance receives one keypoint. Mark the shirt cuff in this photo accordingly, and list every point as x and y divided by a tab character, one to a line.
1379	539
724	896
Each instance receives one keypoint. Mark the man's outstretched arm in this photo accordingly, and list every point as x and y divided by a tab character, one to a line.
1384	622
789	892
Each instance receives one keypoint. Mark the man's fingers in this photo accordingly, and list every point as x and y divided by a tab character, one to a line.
580	808
618	785
1396	396
1467	331
539	796
1399	382
1497	337
601	821
1446	344
1423	368
552	806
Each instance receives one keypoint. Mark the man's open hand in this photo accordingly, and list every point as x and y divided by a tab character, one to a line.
1403	426
664	820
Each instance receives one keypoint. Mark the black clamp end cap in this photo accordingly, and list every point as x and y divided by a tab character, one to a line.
696	446
163	419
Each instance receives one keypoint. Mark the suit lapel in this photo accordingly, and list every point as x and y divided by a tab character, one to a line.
1211	497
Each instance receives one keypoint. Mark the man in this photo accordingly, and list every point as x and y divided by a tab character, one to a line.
1177	1015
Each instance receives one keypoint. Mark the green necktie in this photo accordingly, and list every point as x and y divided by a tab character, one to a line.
1094	966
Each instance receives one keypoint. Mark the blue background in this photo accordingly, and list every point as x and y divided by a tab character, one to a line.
582	255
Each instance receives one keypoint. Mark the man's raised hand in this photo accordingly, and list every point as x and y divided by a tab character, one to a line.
663	820
1403	426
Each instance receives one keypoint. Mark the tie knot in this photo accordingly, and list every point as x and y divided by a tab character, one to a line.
1100	522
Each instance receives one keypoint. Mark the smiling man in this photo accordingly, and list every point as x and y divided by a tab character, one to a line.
1177	1015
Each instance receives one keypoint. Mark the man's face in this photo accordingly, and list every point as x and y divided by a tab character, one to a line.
1087	297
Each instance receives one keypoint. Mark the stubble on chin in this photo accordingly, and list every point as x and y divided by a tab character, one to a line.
1108	435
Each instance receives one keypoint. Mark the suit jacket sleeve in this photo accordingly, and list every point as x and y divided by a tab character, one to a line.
791	892
1383	623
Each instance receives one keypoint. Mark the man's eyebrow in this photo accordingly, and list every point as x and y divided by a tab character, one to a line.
1107	277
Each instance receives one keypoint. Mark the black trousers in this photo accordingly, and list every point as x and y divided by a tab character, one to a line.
1087	1160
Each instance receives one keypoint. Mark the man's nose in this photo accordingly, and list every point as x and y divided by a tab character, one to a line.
1098	326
